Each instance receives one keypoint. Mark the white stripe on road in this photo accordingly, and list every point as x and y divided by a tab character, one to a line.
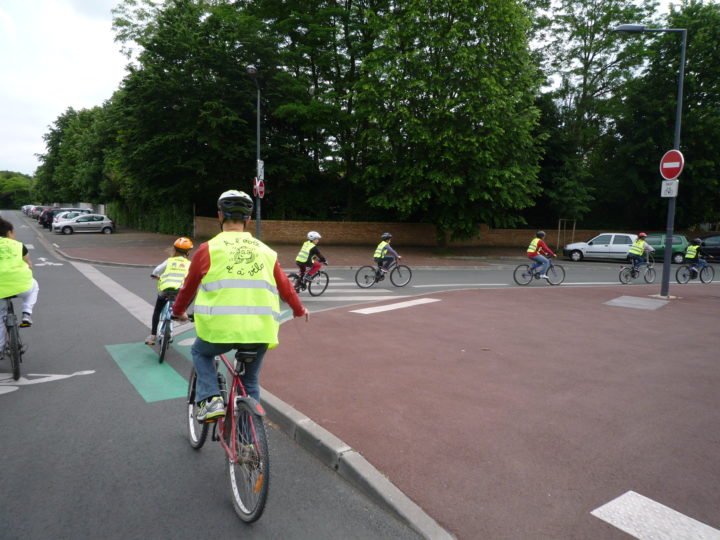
331	298
646	519
29	246
357	290
462	285
399	305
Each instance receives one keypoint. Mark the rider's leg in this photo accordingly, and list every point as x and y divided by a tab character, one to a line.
316	265
544	262
29	298
3	331
387	261
203	355
251	377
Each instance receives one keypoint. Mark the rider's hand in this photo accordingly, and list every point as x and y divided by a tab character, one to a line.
399	257
154	276
305	313
182	317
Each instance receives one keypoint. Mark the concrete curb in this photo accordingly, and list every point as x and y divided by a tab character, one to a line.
350	465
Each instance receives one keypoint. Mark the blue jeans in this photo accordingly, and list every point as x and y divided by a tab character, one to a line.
540	260
204	353
636	260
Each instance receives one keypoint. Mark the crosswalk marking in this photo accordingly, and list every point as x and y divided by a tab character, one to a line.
399	305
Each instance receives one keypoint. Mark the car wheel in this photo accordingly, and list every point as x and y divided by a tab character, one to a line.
678	258
107	230
576	255
67	230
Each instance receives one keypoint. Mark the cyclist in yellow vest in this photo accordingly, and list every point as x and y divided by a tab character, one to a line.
537	251
381	256
239	284
170	275
636	255
693	255
309	255
16	277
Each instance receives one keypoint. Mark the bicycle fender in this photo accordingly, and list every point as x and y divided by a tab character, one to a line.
250	405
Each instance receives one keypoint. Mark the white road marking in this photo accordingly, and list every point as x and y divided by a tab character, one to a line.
646	519
399	305
29	246
461	285
8	384
357	290
331	298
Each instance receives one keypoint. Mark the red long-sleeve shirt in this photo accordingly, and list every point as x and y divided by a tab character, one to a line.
201	264
542	249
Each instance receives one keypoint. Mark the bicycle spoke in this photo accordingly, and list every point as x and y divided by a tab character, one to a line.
249	470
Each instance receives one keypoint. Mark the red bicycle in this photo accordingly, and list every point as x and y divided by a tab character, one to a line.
242	435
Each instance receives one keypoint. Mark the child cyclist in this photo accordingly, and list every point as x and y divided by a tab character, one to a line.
381	256
170	274
537	251
636	255
693	255
309	255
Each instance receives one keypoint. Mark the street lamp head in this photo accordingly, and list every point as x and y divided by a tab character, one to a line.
252	71
630	28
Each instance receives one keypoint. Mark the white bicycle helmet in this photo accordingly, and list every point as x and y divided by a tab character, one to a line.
313	235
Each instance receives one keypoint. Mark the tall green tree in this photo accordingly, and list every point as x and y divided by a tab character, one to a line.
15	189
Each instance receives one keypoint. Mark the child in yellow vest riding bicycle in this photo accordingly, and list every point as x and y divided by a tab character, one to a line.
309	255
381	256
693	255
537	251
170	274
636	255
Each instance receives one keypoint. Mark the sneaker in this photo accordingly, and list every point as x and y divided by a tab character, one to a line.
150	340
26	320
210	409
543	276
384	271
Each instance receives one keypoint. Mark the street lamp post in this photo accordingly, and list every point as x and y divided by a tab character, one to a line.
252	72
638	29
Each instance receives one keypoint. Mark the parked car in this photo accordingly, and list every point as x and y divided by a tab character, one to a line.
37	210
603	246
711	246
69	213
46	217
679	245
85	223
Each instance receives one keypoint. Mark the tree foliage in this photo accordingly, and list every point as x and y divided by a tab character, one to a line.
15	189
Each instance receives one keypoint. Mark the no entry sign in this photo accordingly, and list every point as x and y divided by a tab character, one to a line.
259	188
671	164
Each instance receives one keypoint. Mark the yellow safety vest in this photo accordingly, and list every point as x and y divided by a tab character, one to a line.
304	254
238	300
691	252
175	273
533	245
380	250
15	275
638	248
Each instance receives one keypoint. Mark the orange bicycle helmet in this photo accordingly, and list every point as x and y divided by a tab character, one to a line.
183	244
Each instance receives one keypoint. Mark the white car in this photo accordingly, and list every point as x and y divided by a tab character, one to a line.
603	246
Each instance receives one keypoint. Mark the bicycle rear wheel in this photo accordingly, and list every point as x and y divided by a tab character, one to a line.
197	431
365	277
683	274
522	274
295	280
650	275
164	340
707	274
625	275
555	274
318	284
401	275
249	473
13	349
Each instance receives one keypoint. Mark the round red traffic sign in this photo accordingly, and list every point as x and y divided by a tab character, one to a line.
671	164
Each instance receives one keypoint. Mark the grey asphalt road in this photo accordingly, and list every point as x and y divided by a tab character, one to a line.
84	455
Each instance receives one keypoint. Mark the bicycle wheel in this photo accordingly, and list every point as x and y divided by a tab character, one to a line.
707	274
197	431
650	275
295	280
401	275
650	261
625	275
249	473
365	277
13	349
683	274
318	284
164	340
522	274
555	274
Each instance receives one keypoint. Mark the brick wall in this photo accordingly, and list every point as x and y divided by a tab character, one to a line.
407	234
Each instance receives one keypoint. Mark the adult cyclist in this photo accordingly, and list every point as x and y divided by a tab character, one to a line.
537	251
239	284
636	255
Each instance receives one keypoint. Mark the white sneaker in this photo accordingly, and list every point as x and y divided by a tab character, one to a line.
543	276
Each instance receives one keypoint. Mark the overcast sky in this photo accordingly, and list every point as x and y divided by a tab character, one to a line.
54	54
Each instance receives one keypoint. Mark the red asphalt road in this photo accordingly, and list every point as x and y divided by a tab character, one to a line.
514	413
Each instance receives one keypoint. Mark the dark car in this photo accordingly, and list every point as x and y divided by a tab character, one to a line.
46	217
711	246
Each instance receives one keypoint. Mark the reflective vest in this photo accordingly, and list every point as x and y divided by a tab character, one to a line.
15	275
304	254
692	252
638	248
381	250
238	300
533	245
175	272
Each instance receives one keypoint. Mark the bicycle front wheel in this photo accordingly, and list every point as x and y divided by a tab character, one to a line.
365	277
707	274
318	284
683	274
522	274
650	275
197	431
555	274
13	348
249	471
401	275
625	275
164	340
